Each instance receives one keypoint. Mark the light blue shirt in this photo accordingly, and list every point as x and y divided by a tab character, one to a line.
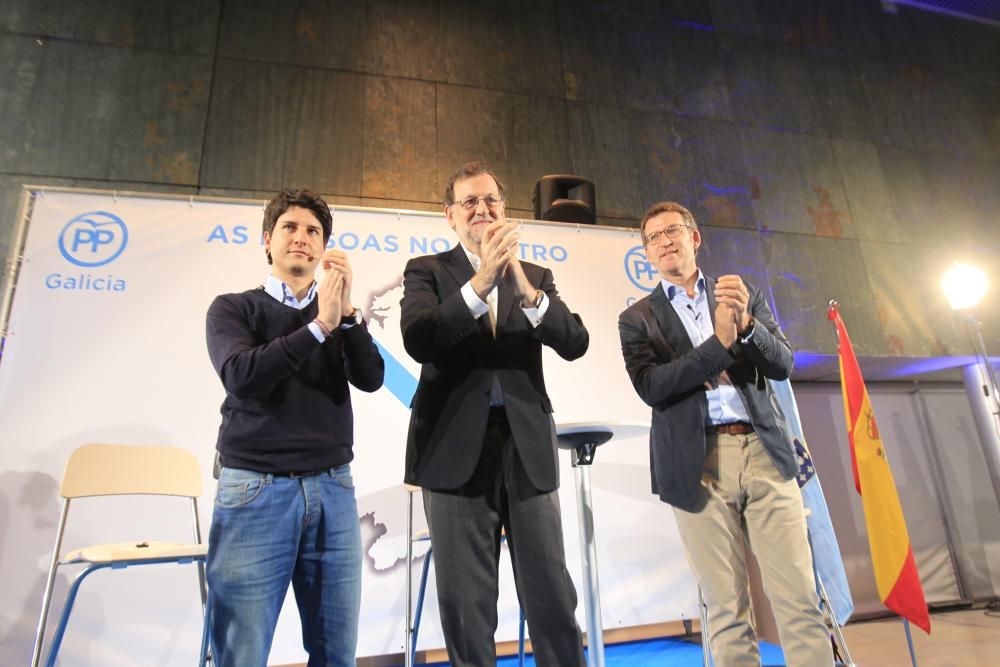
283	294
724	402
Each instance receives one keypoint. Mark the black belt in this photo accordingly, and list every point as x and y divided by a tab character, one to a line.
733	428
299	475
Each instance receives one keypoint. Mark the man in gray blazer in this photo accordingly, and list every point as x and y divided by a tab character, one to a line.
482	441
699	351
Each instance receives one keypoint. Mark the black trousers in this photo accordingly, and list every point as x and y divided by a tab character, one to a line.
465	529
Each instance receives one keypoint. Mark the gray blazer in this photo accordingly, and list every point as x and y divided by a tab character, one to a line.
669	374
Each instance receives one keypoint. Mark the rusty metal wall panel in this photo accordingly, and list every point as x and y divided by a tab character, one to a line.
987	98
906	103
401	39
978	61
806	272
959	132
841	98
591	51
94	111
696	162
694	12
918	38
316	33
400	140
522	137
273	126
842	27
667	66
867	193
796	184
770	85
912	310
605	150
983	187
886	92
181	26
735	16
502	46
931	197
645	66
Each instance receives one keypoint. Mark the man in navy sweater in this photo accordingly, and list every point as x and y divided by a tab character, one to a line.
285	509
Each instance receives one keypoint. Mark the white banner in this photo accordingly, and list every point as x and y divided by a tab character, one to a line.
107	344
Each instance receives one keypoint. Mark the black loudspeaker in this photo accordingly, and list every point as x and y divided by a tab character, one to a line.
565	198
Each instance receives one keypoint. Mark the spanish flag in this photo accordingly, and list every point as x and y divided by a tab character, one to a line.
892	555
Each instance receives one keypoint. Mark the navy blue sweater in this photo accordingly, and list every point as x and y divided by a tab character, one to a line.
288	406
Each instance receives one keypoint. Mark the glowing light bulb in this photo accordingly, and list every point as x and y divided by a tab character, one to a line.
964	286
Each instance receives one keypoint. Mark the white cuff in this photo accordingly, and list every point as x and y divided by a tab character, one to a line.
316	331
477	306
535	315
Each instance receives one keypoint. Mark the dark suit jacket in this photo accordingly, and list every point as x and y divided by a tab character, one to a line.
460	357
669	373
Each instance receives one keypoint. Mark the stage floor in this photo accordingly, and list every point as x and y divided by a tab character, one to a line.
967	638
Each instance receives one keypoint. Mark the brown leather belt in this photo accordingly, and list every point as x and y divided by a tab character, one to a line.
734	428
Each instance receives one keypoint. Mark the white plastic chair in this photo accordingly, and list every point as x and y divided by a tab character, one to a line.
112	470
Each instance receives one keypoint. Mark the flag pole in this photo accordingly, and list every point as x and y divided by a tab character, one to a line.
838	634
909	641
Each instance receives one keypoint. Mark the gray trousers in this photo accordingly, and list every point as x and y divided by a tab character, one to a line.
465	529
744	498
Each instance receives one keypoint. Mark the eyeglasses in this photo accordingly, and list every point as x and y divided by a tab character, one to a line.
671	232
471	203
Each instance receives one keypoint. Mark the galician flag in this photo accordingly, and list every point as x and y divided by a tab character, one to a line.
896	573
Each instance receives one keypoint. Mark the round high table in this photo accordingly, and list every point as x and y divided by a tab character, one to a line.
582	440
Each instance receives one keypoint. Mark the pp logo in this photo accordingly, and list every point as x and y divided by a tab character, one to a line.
640	272
93	239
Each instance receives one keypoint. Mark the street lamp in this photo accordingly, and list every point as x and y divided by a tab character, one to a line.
965	286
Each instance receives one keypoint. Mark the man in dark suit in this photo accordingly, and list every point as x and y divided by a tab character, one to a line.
699	351
482	441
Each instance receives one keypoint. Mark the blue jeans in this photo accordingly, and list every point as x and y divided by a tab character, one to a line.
268	531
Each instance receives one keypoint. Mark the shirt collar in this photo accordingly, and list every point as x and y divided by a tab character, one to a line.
473	258
671	290
283	293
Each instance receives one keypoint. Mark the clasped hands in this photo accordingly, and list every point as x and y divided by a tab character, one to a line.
498	261
731	315
333	293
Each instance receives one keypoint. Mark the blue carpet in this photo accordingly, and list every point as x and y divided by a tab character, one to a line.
656	653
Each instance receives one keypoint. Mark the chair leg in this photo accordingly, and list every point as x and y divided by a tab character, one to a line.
50	580
67	609
520	640
408	636
204	657
420	604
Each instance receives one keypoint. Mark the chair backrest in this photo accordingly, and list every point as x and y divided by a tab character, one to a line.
108	470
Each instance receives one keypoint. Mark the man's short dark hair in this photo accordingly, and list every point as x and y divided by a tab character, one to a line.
303	199
666	207
468	170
